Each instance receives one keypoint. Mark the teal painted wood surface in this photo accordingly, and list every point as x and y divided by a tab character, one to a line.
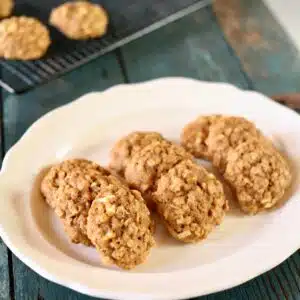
266	53
4	273
194	47
4	265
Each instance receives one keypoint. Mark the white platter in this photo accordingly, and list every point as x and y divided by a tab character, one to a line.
240	249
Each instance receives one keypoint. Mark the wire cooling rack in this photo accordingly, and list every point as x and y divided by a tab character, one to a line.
129	20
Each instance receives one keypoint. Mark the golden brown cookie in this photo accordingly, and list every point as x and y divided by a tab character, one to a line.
23	38
259	174
191	201
73	231
148	164
120	227
211	137
194	135
74	172
227	133
80	20
6	7
126	147
69	188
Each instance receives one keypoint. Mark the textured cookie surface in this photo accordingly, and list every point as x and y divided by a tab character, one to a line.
69	188
147	165
126	147
120	227
23	38
227	133
259	174
80	20
194	135
6	7
211	137
190	200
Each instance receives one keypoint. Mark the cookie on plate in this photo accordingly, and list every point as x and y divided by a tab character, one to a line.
6	7
191	201
70	188
127	146
80	20
148	164
195	134
227	133
259	174
23	38
120	227
211	137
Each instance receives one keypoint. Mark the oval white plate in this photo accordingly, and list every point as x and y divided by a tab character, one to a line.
240	249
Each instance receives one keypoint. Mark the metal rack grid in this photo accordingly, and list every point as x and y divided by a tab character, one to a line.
129	20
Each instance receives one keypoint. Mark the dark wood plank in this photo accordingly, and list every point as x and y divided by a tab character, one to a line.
192	47
4	252
20	112
4	272
266	52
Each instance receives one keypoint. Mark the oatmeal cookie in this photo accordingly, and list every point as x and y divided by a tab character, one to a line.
74	233
195	134
23	38
227	133
80	20
147	165
191	201
259	174
6	7
69	188
71	172
126	147
120	227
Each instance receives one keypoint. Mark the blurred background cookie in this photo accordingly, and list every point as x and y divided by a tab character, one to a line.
6	7
80	20
23	38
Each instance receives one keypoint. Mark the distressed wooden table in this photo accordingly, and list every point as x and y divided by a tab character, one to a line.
250	51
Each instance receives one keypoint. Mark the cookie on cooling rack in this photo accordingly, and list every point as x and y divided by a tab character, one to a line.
23	38
80	20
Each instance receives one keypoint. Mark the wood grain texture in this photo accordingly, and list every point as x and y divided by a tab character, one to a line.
20	111
4	252
266	52
192	47
4	273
